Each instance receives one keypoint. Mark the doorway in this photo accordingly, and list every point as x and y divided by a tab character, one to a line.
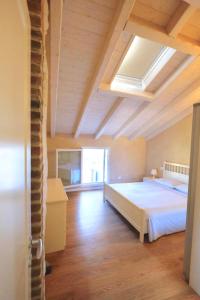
82	167
94	165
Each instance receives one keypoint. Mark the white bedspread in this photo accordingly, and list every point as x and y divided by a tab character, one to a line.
165	208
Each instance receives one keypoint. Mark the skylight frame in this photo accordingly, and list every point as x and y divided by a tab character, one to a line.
128	83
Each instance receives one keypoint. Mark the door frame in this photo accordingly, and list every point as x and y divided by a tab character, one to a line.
25	18
84	185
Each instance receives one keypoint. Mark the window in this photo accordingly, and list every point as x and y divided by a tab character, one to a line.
94	165
82	166
69	166
142	63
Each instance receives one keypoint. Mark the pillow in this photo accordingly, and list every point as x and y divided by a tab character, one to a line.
169	182
182	188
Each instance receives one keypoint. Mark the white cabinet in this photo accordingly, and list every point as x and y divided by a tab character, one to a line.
56	217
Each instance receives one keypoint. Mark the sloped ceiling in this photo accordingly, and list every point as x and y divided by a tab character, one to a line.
86	103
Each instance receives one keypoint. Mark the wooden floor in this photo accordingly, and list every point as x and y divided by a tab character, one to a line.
105	260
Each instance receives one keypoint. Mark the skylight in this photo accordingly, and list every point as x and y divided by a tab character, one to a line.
142	63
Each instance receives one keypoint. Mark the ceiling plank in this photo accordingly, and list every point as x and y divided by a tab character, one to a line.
108	117
145	29
123	128
56	8
107	89
184	100
180	18
188	61
180	116
123	12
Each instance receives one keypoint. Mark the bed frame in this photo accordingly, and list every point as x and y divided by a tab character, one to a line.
135	215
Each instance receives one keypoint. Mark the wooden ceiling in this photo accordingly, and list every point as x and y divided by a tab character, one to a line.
90	38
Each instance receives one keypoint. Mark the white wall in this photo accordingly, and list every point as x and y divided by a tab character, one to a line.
14	149
172	145
126	158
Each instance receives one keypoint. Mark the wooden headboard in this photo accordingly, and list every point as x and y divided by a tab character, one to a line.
176	171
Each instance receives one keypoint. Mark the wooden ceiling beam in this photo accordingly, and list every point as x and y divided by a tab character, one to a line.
107	89
123	12
145	29
172	121
184	100
180	18
146	96
56	8
186	63
137	122
108	117
124	126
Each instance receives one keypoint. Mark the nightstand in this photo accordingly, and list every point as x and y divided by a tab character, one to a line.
148	178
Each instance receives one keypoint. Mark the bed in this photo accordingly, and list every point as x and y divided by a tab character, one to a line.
151	207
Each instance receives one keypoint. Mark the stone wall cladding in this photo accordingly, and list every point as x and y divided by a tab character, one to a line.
37	227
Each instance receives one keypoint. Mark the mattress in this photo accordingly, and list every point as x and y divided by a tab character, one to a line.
165	208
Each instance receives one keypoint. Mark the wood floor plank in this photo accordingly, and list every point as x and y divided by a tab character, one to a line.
104	259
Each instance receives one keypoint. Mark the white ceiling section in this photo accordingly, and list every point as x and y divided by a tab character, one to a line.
120	117
104	39
96	111
84	30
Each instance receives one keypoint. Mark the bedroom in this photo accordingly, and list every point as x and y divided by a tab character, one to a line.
100	159
127	78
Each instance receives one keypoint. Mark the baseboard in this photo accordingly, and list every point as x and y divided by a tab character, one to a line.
84	188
